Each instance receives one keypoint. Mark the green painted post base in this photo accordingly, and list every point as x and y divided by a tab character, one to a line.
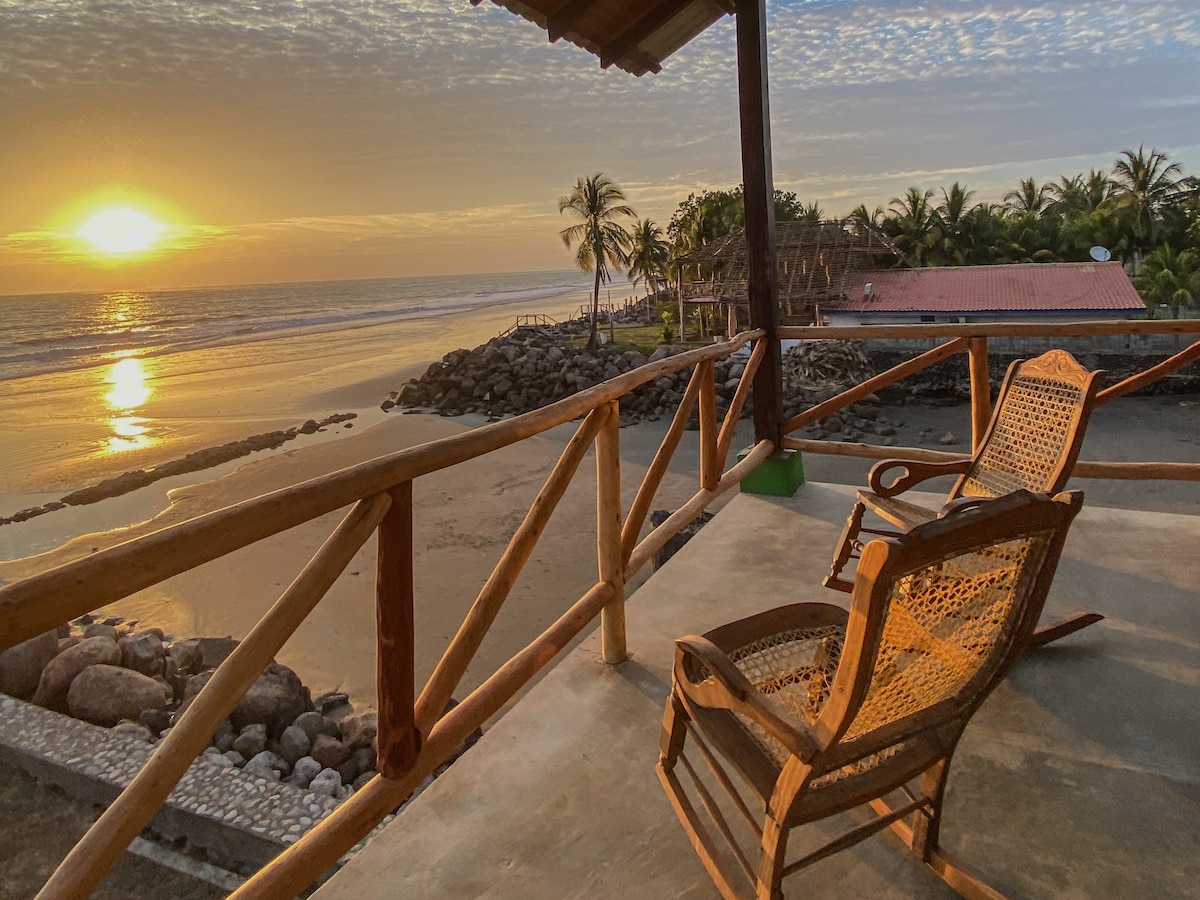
780	474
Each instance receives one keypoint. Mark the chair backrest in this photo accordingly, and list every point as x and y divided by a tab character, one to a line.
937	617
1036	429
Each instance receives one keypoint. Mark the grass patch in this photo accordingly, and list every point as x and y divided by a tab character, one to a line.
644	339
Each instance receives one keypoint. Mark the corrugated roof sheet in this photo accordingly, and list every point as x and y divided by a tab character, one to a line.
1026	287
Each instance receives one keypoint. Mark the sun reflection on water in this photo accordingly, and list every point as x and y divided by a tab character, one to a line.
128	378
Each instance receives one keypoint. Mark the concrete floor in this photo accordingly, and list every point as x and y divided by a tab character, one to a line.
1079	778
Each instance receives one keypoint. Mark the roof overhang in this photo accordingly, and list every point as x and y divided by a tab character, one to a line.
634	35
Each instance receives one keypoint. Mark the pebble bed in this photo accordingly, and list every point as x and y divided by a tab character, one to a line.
237	820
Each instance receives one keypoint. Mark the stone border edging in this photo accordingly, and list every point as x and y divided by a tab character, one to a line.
240	822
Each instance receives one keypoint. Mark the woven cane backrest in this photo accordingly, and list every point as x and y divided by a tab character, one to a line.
1036	429
945	623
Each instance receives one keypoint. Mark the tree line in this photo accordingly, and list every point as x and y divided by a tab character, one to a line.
1144	211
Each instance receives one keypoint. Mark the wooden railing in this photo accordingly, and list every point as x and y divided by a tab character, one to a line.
531	320
414	736
973	340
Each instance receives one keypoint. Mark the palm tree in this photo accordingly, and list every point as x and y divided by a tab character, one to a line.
1144	185
909	223
602	241
1030	197
872	217
1068	196
1097	189
1169	279
810	212
648	258
949	219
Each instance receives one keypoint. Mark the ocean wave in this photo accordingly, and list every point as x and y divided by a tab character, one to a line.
55	333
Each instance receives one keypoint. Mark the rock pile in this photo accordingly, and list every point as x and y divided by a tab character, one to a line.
530	368
820	365
140	682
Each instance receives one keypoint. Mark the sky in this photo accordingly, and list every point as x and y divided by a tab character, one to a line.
297	140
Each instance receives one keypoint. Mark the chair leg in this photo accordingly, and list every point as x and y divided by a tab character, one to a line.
770	865
673	731
847	544
926	829
1060	628
927	825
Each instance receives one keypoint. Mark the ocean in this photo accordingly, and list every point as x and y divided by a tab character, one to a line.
49	333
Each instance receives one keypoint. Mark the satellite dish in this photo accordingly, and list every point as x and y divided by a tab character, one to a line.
1100	254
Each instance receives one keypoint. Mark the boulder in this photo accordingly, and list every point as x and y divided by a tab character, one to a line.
157	720
313	723
252	740
294	743
142	652
105	694
186	655
100	629
62	670
21	665
276	697
325	783
304	771
214	651
359	730
329	752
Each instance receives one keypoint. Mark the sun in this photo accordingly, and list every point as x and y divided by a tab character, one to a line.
120	230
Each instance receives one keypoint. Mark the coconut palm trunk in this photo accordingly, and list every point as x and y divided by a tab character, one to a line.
602	242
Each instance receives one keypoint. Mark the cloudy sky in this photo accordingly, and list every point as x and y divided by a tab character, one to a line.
290	140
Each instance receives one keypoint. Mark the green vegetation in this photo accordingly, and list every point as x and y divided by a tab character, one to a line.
597	203
1144	211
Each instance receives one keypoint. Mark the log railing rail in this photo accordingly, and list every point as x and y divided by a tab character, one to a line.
414	735
973	339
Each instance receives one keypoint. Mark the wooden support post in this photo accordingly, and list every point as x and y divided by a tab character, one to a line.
399	741
710	466
608	535
981	390
759	195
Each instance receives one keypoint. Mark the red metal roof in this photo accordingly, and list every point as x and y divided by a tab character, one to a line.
1024	287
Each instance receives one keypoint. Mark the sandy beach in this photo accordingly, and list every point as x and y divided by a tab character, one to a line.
465	516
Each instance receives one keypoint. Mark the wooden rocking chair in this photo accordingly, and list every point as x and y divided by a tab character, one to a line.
1032	442
820	711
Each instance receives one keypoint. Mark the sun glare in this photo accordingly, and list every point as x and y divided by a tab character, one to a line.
121	230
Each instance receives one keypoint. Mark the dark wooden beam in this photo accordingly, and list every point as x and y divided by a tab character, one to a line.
654	19
562	19
759	186
399	742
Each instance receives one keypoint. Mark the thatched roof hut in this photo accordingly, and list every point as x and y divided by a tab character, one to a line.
816	260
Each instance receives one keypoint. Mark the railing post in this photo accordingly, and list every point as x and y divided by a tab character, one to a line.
710	466
981	390
608	534
399	740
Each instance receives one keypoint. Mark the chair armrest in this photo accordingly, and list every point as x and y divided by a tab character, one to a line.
914	473
733	691
962	505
